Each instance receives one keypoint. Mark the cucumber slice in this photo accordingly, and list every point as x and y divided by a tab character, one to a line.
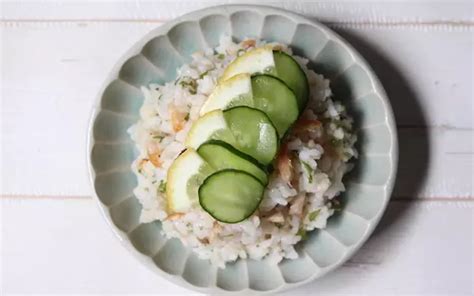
230	196
185	175
290	72
246	129
263	92
235	91
259	60
220	155
253	132
264	60
275	98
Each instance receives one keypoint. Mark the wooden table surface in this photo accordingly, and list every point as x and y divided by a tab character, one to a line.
55	56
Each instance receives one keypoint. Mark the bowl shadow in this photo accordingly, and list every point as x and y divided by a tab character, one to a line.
413	162
413	138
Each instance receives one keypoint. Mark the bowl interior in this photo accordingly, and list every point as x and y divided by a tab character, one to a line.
156	61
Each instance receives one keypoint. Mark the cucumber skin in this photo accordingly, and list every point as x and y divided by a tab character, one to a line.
224	171
289	89
239	153
305	90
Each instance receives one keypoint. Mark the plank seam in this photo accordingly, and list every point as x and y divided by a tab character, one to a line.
439	25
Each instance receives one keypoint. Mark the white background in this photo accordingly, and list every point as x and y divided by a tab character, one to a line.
54	57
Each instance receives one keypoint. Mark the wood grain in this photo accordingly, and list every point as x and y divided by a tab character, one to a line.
48	102
417	249
438	13
52	238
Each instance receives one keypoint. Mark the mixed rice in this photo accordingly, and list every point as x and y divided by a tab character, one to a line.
303	187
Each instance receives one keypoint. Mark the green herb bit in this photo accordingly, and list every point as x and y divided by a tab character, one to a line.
221	56
313	215
162	186
302	232
308	170
186	117
158	137
201	76
189	83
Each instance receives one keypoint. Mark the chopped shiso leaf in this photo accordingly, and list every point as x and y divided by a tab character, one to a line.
313	215
308	171
302	233
162	186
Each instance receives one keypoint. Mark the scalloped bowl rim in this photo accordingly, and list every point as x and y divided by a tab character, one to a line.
226	10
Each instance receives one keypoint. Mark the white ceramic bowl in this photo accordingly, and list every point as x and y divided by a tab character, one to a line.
155	59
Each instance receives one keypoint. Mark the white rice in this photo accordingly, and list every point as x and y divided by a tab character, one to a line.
289	209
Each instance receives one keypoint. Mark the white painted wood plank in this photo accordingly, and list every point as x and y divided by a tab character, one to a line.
428	74
63	246
46	101
326	10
